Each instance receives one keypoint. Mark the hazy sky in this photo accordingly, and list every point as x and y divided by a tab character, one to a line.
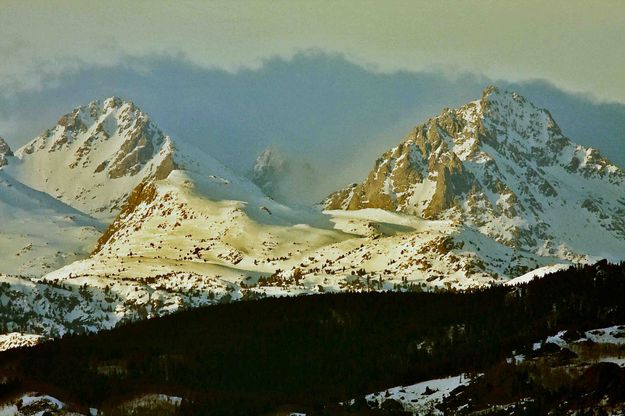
332	84
577	45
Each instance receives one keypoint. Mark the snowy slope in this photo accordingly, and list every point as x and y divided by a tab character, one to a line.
207	225
191	240
567	352
94	156
176	249
420	398
536	273
38	233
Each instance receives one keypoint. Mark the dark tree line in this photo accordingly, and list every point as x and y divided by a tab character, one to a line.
312	351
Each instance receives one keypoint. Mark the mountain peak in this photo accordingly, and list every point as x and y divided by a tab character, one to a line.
501	165
109	104
98	115
494	98
509	115
87	127
114	102
495	93
98	143
489	90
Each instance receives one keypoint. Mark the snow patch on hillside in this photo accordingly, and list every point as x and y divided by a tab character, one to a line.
420	398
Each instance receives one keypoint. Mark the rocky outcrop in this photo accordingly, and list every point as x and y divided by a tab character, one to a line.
270	164
134	152
282	176
5	151
144	193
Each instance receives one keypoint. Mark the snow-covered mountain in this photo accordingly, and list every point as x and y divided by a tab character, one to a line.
476	196
84	167
198	237
502	167
95	156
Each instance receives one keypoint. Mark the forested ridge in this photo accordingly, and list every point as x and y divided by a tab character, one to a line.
313	352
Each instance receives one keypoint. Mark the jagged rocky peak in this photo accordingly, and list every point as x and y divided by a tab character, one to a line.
269	165
498	163
95	155
111	136
5	151
504	111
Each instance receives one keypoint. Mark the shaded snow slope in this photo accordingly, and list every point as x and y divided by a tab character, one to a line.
39	233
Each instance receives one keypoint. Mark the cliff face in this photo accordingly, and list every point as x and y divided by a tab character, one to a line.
499	164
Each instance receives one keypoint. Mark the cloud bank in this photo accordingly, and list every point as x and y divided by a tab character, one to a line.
575	44
321	110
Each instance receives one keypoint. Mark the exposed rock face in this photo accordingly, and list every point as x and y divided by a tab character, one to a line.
502	165
137	149
95	156
5	151
143	193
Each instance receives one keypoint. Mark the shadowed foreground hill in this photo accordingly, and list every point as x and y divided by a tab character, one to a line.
312	352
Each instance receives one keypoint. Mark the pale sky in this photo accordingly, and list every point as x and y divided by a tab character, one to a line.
577	45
